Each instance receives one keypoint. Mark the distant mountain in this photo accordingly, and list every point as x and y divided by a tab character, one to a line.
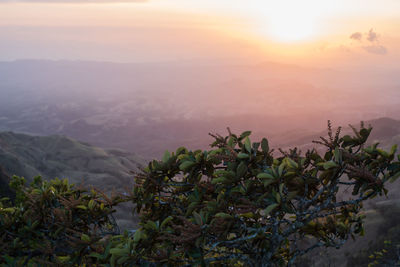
63	157
149	107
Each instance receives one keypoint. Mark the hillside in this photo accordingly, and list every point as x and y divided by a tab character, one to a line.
63	157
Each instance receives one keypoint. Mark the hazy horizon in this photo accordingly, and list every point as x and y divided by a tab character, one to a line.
343	35
110	70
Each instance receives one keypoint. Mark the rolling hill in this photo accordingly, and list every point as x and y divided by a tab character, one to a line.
63	157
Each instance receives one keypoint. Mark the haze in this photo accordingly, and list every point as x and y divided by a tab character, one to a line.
111	72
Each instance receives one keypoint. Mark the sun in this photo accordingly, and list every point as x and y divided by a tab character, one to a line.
290	29
288	21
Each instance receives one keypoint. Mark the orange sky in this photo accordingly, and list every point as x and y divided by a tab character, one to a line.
305	32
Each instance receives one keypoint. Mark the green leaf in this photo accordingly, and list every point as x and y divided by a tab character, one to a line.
338	155
245	134
243	156
150	225
347	140
268	182
198	218
85	238
281	188
91	204
220	180
393	149
223	215
265	145
166	221
292	163
166	156
11	210
64	259
270	208
329	164
137	236
264	175
186	165
181	150
281	168
247	144
231	142
119	251
278	197
241	170
382	153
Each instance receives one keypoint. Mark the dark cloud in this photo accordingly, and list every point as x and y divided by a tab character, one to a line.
376	49
372	36
73	1
356	36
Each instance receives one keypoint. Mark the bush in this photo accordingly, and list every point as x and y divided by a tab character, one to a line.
239	204
53	223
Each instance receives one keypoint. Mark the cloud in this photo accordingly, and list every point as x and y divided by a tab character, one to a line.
376	49
372	36
373	46
356	36
73	1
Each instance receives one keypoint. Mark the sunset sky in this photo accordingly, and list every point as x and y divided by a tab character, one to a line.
341	34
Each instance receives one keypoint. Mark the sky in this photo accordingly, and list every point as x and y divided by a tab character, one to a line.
340	34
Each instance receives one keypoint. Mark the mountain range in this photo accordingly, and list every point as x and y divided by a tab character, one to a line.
146	108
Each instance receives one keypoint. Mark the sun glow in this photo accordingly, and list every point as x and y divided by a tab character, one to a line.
290	28
289	21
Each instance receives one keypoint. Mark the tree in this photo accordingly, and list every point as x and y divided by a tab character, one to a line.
239	203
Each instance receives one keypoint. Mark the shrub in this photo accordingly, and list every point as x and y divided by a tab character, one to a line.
237	204
240	204
53	223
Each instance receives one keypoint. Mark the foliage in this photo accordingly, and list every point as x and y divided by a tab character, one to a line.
239	203
53	223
